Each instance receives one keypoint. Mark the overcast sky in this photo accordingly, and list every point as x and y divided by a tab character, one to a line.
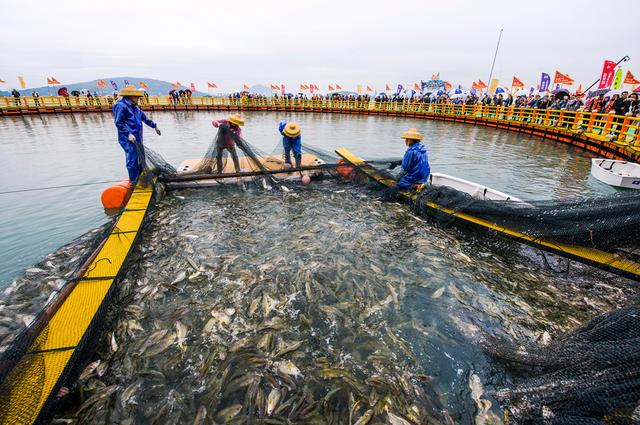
345	42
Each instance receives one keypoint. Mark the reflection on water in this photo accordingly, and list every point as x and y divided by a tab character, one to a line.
52	150
322	305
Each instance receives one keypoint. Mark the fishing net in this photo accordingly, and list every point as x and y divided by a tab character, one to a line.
588	376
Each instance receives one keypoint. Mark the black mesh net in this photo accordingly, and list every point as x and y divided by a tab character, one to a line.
588	376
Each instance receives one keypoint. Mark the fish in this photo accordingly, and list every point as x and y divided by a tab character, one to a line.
287	367
181	335
113	345
272	400
438	293
228	413
365	418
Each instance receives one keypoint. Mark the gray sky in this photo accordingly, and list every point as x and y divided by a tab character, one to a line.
324	42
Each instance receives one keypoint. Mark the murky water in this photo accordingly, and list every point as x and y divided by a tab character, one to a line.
43	151
322	305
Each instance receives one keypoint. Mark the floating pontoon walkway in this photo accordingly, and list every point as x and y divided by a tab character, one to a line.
601	259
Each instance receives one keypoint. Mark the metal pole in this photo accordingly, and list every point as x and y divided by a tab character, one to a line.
624	59
494	59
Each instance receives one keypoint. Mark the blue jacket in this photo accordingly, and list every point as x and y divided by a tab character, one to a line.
416	164
128	119
286	140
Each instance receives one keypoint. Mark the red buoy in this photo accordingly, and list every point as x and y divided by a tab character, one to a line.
116	195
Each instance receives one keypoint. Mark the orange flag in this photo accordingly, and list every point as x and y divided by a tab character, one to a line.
143	85
369	88
630	79
176	84
54	81
416	86
246	87
2	81
387	88
338	87
101	84
517	82
482	84
211	85
447	85
561	78
330	87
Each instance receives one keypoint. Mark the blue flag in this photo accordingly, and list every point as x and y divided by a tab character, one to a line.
545	81
114	85
126	83
399	88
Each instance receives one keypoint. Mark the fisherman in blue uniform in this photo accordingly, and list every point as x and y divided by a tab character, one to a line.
291	141
415	162
128	118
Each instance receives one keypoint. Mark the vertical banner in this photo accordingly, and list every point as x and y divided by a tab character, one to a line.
493	85
23	85
617	80
193	87
126	83
114	85
545	81
311	87
282	88
359	89
399	89
608	71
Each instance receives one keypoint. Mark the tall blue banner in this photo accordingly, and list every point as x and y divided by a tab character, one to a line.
126	83
114	85
545	81
399	88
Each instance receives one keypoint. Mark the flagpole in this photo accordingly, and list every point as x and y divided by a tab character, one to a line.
494	59
624	59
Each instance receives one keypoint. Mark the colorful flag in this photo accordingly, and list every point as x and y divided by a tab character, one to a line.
54	81
193	87
211	85
21	81
387	87
579	91
482	84
282	88
2	81
617	80
338	87
312	88
399	89
608	71
561	78
545	80
493	85
303	87
143	85
114	85
126	83
416	86
359	88
101	84
369	88
517	83
245	87
628	79
176	85
475	86
448	86
330	87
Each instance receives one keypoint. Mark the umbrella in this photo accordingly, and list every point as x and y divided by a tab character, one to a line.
598	92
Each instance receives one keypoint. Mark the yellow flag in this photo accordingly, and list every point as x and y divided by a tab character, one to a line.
617	80
359	89
493	85
23	85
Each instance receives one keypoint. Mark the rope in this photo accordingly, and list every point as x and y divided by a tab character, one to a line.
56	187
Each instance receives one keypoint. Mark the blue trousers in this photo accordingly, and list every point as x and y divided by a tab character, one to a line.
407	181
296	147
131	161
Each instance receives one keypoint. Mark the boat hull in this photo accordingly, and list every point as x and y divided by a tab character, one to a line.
616	173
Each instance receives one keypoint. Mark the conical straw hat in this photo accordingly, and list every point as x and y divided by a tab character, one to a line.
235	119
412	134
130	91
292	129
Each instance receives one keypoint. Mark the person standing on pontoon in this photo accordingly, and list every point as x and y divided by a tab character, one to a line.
415	162
128	118
228	141
291	141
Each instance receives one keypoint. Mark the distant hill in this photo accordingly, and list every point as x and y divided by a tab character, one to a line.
156	87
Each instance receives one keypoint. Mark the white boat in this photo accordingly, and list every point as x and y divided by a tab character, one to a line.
616	173
476	190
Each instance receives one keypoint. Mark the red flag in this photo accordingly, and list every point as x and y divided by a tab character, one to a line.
101	84
54	81
608	72
517	82
630	79
143	85
330	87
245	87
447	85
579	91
338	87
416	86
282	88
482	84
212	85
273	87
561	78
369	88
193	87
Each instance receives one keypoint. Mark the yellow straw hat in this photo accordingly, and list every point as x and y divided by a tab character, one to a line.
130	91
292	129
412	134
235	119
